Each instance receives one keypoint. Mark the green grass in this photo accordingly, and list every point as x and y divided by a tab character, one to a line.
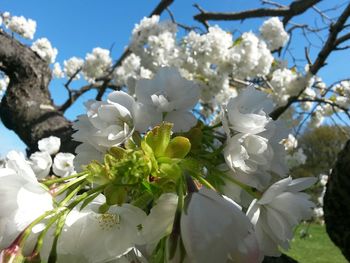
315	248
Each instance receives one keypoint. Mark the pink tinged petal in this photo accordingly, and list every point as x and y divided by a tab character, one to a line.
183	120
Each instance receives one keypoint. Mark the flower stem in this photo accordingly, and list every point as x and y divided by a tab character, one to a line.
62	179
69	184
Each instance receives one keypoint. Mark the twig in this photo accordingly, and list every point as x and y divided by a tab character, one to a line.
163	4
294	9
322	56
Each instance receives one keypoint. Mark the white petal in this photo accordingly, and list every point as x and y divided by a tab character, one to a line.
183	120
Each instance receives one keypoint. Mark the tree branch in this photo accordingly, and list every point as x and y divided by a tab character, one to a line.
163	5
322	56
27	107
295	8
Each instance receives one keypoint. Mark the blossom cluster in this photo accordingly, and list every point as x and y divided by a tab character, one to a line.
43	48
152	179
168	97
156	184
318	211
20	25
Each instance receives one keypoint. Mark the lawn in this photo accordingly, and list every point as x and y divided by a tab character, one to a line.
315	248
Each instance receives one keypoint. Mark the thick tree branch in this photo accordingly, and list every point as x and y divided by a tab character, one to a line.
296	8
26	107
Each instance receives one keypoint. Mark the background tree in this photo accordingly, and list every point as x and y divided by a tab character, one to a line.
321	147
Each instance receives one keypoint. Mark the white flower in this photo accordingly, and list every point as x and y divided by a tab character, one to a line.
214	229
22	198
6	16
317	117
43	48
296	158
290	143
41	164
321	197
99	237
286	83
109	124
57	71
342	101
85	154
273	33
63	164
247	152
106	124
253	148
22	26
71	67
50	144
159	222
212	46
149	26
247	112
172	95
318	212
128	69
278	211
96	64
323	179
250	57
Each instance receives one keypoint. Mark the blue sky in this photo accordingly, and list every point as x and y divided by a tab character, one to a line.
76	27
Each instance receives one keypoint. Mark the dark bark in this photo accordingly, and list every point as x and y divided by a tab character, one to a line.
337	202
288	12
27	107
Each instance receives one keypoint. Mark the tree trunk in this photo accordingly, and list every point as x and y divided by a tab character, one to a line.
337	202
27	107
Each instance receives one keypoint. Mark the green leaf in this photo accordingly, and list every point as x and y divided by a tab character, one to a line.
170	170
149	153
178	147
237	41
158	138
143	201
88	200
